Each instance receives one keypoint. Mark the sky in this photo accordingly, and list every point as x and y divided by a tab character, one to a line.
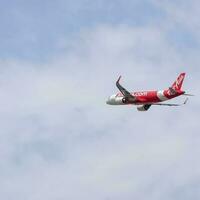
59	61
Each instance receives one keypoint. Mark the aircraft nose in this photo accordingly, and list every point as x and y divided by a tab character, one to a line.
110	100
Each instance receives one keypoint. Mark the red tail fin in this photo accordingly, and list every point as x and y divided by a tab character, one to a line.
179	81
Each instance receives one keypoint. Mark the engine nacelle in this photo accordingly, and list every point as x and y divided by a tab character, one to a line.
143	107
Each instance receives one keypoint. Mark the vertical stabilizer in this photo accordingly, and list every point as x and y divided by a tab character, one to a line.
179	81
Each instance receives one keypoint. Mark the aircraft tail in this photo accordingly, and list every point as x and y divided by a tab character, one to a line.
178	83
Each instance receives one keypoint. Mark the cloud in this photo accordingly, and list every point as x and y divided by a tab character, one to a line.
36	27
182	18
59	140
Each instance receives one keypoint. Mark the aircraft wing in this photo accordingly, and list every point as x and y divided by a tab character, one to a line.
165	104
168	104
126	94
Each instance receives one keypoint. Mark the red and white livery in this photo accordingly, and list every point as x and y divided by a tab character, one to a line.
145	99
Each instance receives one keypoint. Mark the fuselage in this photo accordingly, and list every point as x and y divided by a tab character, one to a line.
144	97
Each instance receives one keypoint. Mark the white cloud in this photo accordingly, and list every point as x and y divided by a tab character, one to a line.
181	15
59	140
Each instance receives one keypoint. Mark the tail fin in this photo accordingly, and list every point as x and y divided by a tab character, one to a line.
179	81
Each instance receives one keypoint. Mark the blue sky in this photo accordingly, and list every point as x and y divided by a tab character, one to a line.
59	61
32	29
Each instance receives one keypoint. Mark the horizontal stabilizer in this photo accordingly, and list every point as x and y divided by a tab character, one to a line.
191	95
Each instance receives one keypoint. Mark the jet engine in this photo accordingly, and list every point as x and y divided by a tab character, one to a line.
143	107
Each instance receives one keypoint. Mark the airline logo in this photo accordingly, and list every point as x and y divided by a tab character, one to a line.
179	80
178	83
137	94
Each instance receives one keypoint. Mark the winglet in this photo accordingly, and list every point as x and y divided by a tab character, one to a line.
118	79
185	101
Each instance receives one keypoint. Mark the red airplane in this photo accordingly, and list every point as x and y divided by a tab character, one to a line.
145	99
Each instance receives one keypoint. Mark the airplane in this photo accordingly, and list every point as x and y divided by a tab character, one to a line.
145	99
